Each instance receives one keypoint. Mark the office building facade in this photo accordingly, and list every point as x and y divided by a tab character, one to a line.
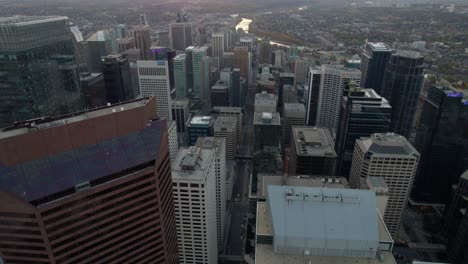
265	51
180	111
153	77
393	158
173	139
312	152
402	83
94	90
293	115
235	112
363	113
225	127
117	78
219	146
314	80
219	94
181	76
194	184
142	38
374	59
90	193
180	35
242	61
199	126
217	40
39	70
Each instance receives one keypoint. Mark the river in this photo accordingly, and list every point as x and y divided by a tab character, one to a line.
245	23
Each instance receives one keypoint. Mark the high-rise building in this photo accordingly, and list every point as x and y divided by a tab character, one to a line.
237	93
363	113
99	45
247	42
194	184
267	131
455	222
134	77
133	55
219	146
180	110
165	54
312	151
181	76
205	76
199	126
228	59
126	44
393	158
402	83
117	78
180	35
293	115
278	57
312	100
121	31
301	70
144	20
153	77
265	102
142	38
265	51
217	40
442	140
235	112
334	80
97	187
242	61
39	74
285	78
298	225
219	94
289	95
225	76
225	127
173	139
199	54
373	62
94	90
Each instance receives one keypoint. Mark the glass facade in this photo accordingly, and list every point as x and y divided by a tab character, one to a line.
38	71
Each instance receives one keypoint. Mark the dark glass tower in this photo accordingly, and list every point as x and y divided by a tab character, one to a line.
117	78
314	79
373	62
38	71
401	86
442	140
363	113
284	79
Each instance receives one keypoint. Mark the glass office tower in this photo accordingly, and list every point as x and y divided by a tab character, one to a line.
38	71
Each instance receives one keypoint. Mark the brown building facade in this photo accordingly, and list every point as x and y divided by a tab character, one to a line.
92	187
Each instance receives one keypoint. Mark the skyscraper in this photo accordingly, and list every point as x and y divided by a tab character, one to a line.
334	80
173	140
39	75
241	61
402	83
193	174
293	115
217	40
144	20
285	78
180	35
117	78
225	127
314	80
236	92
199	54
218	144
301	70
219	94
121	31
393	158
189	69
235	112
126	44
312	152
265	51
247	42
180	76
442	140
199	126
180	110
142	37
363	113
93	88
97	187
154	81
373	62
455	221
266	149
99	45
165	54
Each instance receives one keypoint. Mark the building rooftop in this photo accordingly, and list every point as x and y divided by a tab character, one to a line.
408	54
180	57
210	142
101	35
29	20
225	122
348	225
294	107
191	164
271	119
389	143
379	46
201	121
286	75
219	85
313	141
265	98
227	109
298	180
